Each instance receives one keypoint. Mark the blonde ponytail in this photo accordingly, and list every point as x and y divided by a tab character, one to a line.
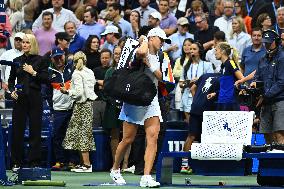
80	60
229	51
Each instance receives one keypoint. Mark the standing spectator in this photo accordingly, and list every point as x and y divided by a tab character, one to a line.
10	55
224	23
77	42
135	22
239	38
90	26
92	53
154	19
46	34
145	10
175	49
30	9
114	12
241	11
112	36
253	53
79	134
264	21
99	104
60	15
205	32
60	73
219	36
169	21
179	63
30	74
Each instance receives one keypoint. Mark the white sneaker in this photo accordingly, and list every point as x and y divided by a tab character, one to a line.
83	169
129	170
116	177
148	181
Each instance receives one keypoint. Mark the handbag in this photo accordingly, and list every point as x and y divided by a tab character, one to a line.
131	85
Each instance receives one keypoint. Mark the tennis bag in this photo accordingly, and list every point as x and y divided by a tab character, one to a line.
131	85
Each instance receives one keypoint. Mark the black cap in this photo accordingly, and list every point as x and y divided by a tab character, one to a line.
62	35
269	36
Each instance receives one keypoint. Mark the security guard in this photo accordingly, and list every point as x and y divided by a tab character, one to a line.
271	72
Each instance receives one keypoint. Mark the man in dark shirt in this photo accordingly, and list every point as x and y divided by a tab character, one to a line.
205	32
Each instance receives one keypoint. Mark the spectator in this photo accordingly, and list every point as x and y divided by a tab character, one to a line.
224	23
280	20
30	10
81	9
253	53
179	63
31	73
60	15
241	11
90	26
60	73
42	5
145	10
154	19
197	8
135	22
104	13
177	39
264	21
99	104
77	42
91	50
16	17
204	33
169	21
46	34
219	36
173	4
79	134
239	38
114	11
217	12
10	55
112	36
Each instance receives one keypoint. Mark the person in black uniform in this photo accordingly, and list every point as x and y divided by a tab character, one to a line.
30	72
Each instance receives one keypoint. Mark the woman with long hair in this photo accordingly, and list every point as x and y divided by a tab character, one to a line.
227	99
135	22
92	46
185	56
239	38
79	134
241	11
30	73
191	71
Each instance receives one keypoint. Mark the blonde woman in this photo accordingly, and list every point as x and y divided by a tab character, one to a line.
16	17
29	72
239	38
79	134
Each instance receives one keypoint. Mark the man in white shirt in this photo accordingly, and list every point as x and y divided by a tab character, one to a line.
60	17
224	23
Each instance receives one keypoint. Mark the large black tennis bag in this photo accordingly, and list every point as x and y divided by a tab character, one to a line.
131	85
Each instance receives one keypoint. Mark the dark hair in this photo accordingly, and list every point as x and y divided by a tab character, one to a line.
47	13
260	19
139	17
220	36
242	5
117	35
256	29
114	64
116	6
106	51
183	55
88	43
93	13
144	30
121	41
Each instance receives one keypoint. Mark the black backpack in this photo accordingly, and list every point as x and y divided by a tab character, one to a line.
131	85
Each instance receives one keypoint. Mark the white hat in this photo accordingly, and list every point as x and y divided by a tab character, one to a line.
159	33
110	29
156	15
20	35
182	21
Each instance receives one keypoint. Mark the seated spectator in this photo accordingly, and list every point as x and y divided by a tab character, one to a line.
16	17
79	134
30	10
173	4
154	19
219	36
264	22
104	13
239	38
169	21
145	10
91	50
112	36
135	22
79	12
241	11
76	41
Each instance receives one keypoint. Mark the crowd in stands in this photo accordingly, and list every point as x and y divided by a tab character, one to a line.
68	48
